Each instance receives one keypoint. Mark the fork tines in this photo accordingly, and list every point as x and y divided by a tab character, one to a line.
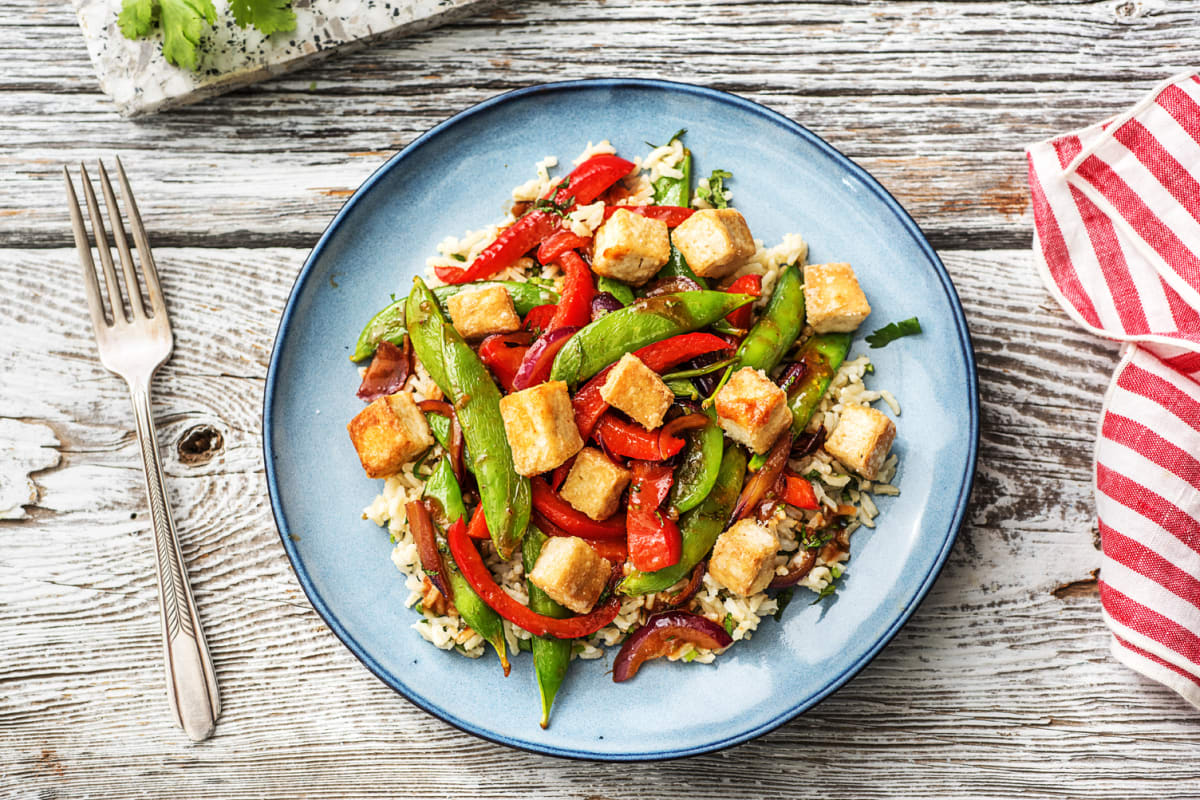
120	310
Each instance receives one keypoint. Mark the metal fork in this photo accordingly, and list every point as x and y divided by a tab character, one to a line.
134	341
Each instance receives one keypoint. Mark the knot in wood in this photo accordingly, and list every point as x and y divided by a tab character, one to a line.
199	444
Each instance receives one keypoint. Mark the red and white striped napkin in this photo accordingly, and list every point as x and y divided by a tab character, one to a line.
1117	239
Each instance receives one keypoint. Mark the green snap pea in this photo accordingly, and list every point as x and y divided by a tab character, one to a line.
388	325
551	657
676	191
822	354
462	377
683	388
649	320
699	466
616	288
677	267
699	527
778	326
443	489
440	426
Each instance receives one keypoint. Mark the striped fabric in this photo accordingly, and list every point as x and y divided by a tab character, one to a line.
1117	240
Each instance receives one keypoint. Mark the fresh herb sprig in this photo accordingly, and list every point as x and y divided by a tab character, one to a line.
893	331
185	22
712	189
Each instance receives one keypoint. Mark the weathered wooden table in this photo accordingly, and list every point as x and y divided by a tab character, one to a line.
1000	685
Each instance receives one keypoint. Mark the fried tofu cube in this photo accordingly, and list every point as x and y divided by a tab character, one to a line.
714	242
594	484
630	247
540	425
389	433
752	410
861	440
571	572
833	300
481	312
743	559
637	390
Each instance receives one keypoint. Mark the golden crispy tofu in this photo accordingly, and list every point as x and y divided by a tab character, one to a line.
594	484
540	425
743	559
862	439
637	390
630	247
571	572
714	242
752	410
389	433
481	312
833	300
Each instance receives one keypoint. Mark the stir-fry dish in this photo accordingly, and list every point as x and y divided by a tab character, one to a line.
617	418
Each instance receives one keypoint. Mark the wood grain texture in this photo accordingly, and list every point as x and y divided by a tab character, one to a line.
1001	684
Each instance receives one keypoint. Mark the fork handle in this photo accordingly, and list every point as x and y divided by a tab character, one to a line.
191	683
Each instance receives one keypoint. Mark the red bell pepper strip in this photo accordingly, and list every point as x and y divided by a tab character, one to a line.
478	528
551	506
615	550
672	215
575	304
515	241
558	243
591	179
747	284
590	406
476	572
799	492
630	440
653	538
503	353
538	318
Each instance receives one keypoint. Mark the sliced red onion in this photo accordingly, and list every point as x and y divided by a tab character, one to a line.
808	443
388	371
693	585
420	522
761	482
603	303
790	380
535	367
796	574
668	432
661	634
677	283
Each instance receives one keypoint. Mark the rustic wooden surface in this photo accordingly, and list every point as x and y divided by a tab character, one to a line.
1000	686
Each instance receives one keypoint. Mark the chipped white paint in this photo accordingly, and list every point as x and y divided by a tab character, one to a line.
27	448
140	80
1000	686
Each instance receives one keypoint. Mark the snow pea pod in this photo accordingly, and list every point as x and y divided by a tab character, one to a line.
778	326
699	527
677	267
676	191
462	377
616	288
551	657
699	466
443	489
649	320
388	325
822	354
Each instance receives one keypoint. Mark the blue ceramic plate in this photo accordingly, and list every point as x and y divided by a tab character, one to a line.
458	177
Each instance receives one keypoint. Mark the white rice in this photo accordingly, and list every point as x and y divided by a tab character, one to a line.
740	615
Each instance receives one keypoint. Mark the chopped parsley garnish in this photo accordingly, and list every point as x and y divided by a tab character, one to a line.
813	540
458	257
781	601
893	331
677	135
835	574
729	624
712	189
550	207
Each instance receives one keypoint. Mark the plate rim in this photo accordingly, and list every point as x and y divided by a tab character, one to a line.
869	181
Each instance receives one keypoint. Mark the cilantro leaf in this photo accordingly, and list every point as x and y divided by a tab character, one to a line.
712	190
183	23
137	17
269	16
893	331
